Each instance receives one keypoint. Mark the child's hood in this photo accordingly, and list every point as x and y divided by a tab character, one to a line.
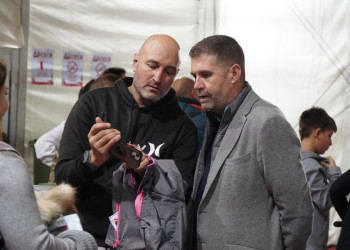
308	154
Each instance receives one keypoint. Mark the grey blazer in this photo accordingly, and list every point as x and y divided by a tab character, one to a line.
256	196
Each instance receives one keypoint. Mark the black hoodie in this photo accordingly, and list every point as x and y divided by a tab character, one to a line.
162	130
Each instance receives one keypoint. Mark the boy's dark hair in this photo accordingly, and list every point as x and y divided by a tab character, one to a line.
315	118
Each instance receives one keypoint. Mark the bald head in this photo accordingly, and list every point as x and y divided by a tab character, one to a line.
155	68
162	43
184	87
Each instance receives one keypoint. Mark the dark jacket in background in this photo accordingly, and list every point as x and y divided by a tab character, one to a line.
194	110
338	193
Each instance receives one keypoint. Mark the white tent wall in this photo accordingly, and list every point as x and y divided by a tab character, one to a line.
117	27
14	15
297	56
11	33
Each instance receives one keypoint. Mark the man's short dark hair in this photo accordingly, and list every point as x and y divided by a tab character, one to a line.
115	71
315	118
104	80
226	49
85	88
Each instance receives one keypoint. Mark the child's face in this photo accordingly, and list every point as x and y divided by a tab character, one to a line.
324	141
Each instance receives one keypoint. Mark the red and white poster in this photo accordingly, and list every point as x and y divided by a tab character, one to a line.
42	66
72	68
99	63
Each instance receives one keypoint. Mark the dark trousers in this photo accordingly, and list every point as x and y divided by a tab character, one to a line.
338	193
344	238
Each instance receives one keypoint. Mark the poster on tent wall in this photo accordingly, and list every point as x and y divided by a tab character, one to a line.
42	66
72	68
99	63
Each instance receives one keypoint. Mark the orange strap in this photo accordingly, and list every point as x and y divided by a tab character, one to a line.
197	106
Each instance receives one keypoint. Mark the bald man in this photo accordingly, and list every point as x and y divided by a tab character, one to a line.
142	111
188	101
184	87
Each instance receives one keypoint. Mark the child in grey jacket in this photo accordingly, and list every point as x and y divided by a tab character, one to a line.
316	128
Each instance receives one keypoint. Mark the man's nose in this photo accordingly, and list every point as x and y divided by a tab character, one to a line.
157	77
197	83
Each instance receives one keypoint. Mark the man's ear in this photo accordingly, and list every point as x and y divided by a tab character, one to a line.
236	72
135	61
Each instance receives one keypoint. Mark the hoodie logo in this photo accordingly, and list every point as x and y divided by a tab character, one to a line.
153	149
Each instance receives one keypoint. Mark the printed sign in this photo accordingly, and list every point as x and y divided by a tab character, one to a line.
42	66
72	68
99	63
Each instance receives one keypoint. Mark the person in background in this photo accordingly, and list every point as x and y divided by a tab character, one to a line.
21	226
188	101
4	104
250	191
47	145
116	71
142	111
104	81
85	88
316	128
339	192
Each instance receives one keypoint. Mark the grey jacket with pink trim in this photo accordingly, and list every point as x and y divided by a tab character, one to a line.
151	213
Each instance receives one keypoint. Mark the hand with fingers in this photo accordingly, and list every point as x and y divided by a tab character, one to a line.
101	138
328	163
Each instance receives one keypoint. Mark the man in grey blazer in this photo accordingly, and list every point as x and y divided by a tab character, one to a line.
250	191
